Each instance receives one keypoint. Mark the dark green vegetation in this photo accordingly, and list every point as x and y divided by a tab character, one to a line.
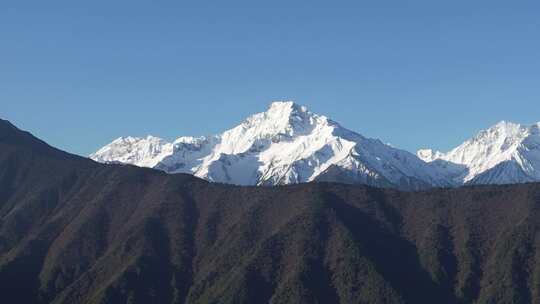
74	231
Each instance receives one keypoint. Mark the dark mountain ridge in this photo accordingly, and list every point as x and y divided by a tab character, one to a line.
75	231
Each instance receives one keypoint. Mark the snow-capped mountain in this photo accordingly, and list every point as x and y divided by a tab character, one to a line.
503	154
286	144
289	144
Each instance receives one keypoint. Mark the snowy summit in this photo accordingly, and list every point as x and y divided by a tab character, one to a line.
503	154
286	144
289	144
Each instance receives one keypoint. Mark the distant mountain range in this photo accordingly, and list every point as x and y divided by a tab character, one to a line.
76	231
289	144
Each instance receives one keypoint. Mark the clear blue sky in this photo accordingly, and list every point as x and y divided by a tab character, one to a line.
413	73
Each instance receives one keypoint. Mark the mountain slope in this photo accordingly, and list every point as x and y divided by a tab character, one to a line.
286	144
75	231
503	154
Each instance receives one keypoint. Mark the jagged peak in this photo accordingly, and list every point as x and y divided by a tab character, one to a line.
134	139
286	111
505	125
502	131
286	105
282	121
282	118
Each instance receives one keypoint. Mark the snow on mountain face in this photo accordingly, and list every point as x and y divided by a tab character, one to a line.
286	144
504	153
143	152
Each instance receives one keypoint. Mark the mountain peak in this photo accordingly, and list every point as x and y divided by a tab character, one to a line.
284	144
506	152
505	125
286	113
283	118
503	134
285	105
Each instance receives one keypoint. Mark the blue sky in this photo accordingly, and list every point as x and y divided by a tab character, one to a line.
413	73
